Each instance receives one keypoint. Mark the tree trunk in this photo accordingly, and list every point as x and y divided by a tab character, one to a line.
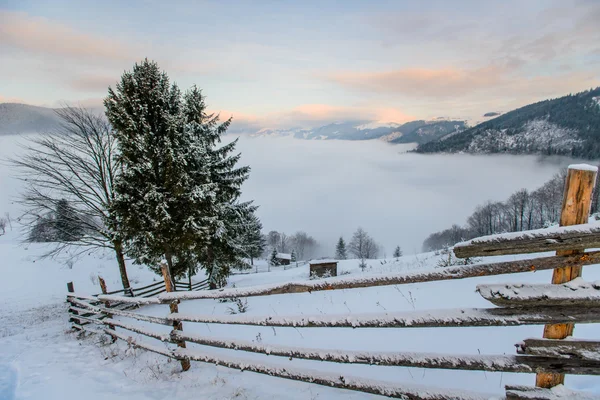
169	258
118	245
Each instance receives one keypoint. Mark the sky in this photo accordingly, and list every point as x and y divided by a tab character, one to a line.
281	64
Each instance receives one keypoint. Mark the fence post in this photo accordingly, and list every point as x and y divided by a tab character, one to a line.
174	308
577	199
106	303
71	289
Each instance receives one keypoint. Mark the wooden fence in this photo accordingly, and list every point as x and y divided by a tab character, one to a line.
144	292
559	305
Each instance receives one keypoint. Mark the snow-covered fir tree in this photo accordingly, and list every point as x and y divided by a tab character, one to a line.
273	261
293	256
340	249
253	240
177	195
397	252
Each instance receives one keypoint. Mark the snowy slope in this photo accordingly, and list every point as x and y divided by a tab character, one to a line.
567	125
22	118
40	360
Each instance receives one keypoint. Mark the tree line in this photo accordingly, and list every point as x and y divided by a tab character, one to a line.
579	113
523	210
361	246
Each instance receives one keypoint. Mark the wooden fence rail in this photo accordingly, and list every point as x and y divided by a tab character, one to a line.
558	306
575	237
339	283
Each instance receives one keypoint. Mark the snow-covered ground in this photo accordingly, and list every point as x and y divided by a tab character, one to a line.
41	359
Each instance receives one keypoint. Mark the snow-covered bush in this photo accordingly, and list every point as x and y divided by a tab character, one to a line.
241	306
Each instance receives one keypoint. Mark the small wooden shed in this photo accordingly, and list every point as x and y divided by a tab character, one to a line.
284	258
323	268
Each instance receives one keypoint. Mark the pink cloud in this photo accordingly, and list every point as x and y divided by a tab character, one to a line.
449	84
9	99
422	82
93	82
41	35
312	115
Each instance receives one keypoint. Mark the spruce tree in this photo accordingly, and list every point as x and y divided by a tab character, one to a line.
397	252
293	256
229	218
273	261
177	194
253	240
340	249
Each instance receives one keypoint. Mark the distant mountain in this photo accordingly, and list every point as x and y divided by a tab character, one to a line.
568	125
410	132
491	114
22	118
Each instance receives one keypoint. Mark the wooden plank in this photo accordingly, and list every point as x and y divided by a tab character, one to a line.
436	274
127	314
460	317
578	237
157	283
163	337
584	349
337	380
535	393
576	205
152	292
522	364
129	300
407	392
575	293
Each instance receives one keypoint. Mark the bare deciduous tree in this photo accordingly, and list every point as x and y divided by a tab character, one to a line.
273	239
284	243
304	245
77	164
362	245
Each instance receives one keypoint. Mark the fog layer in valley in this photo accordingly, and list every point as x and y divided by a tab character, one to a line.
329	188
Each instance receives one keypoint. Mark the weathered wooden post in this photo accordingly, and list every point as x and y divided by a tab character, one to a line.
577	199
71	289
106	302
174	308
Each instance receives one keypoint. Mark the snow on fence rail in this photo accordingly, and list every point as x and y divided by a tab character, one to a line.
557	306
155	288
575	237
343	282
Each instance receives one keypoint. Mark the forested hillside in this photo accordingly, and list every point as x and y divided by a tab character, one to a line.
568	125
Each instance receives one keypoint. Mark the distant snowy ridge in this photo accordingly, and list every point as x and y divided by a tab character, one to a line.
536	136
568	125
411	132
22	118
